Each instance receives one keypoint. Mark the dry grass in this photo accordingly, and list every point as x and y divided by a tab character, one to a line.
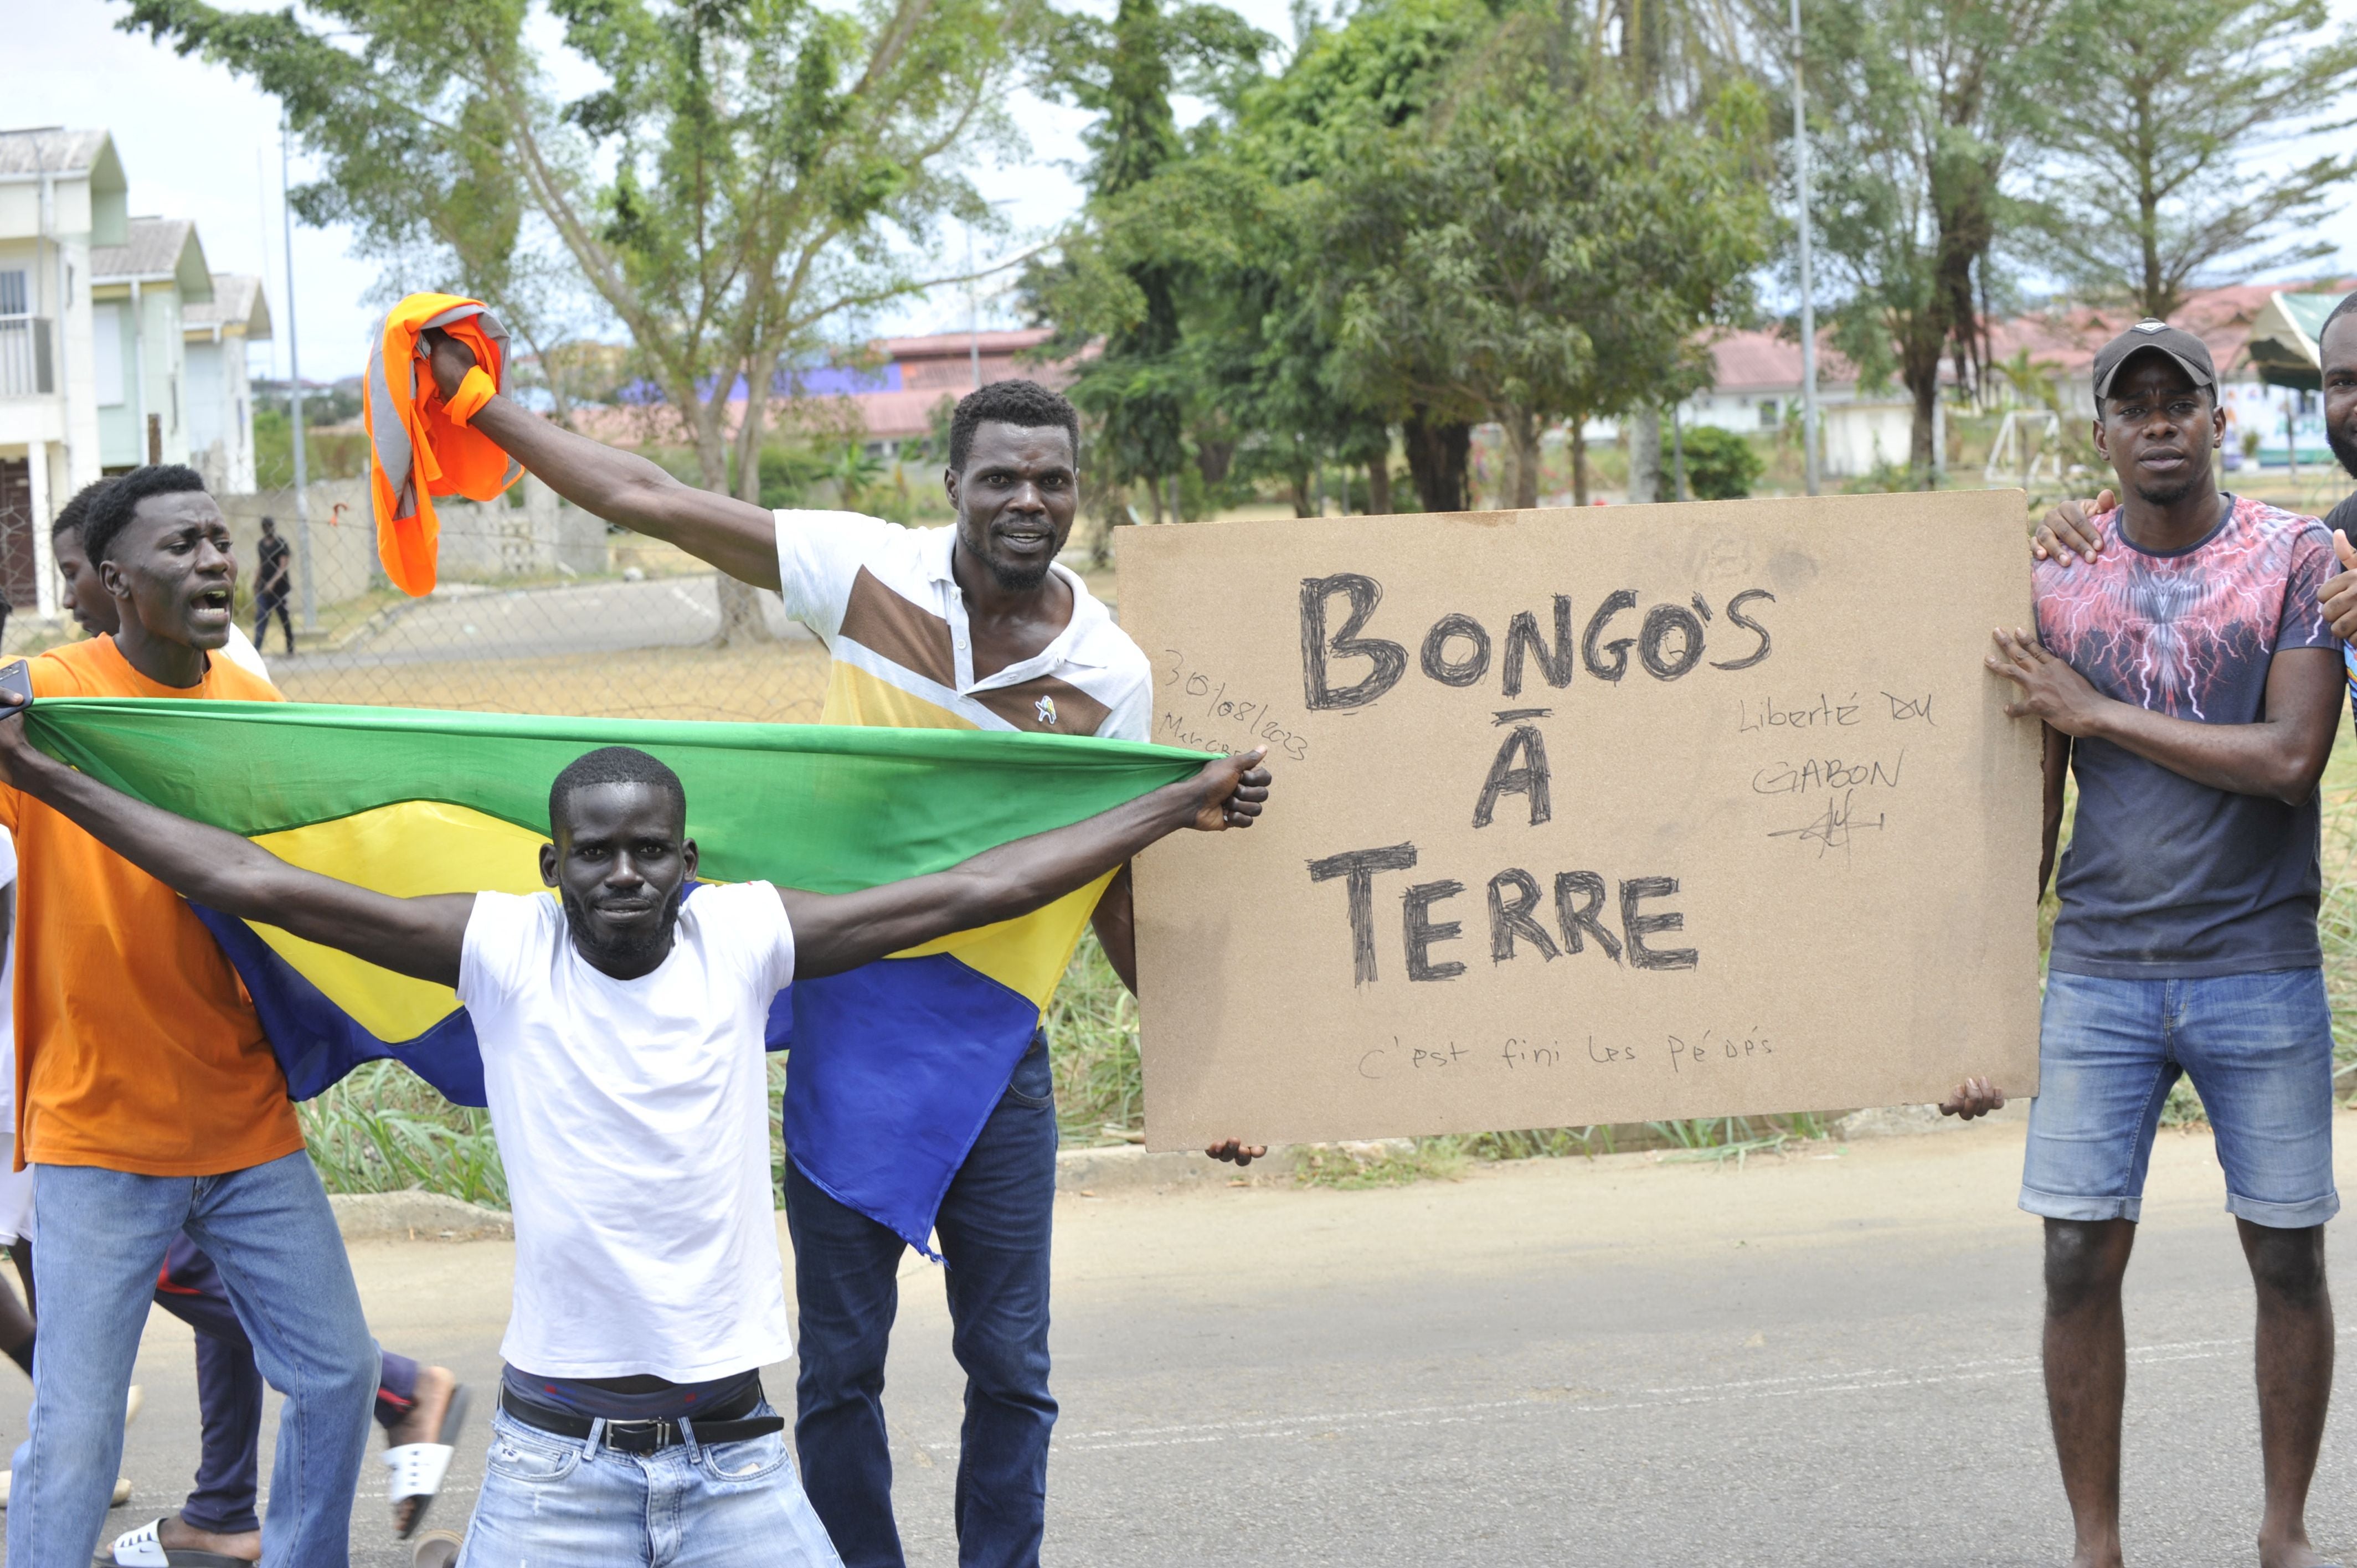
779	683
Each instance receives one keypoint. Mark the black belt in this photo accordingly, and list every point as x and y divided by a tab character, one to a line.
727	1423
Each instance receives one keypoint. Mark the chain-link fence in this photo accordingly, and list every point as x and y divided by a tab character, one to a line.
541	607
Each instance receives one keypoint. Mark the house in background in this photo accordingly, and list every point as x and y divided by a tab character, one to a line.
62	197
1758	388
140	292
220	398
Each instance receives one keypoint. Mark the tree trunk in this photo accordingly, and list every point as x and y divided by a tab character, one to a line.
1922	454
1438	452
1296	480
1641	432
1379	483
1578	460
1523	443
742	624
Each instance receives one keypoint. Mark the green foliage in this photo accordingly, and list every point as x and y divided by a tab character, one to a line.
1721	465
2152	182
382	1129
1093	1048
1543	247
1919	109
740	175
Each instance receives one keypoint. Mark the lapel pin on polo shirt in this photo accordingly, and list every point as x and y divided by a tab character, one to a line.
1046	708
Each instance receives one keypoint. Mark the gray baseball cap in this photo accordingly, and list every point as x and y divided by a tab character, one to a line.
2191	353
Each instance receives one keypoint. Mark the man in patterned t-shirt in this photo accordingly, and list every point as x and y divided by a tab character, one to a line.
2188	678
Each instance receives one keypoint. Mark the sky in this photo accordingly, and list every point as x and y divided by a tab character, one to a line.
197	143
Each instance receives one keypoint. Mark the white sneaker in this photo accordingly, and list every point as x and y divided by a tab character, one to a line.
133	1403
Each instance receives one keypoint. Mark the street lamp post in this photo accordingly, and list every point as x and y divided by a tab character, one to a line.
1808	300
295	400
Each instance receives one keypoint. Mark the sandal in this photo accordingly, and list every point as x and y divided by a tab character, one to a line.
144	1548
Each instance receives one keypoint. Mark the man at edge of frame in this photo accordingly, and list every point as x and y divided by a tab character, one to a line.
2188	674
973	625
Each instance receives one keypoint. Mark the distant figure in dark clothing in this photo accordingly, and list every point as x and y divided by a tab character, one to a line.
269	586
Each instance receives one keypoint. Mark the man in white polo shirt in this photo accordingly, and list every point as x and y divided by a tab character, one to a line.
918	1103
622	1028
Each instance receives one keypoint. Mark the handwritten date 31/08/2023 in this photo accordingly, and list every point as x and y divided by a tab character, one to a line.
1711	1051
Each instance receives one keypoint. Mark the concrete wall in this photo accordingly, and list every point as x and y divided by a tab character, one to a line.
480	542
343	539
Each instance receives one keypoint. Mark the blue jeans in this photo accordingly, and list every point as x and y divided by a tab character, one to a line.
2259	1050
270	1233
561	1502
994	1227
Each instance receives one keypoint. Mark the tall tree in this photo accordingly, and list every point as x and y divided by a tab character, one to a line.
736	183
1922	107
2148	188
1117	281
1674	55
1542	246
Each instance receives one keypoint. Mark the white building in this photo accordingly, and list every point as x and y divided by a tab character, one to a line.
118	346
1758	388
61	195
141	291
220	398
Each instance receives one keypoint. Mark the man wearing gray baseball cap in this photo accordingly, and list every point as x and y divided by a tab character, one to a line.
2189	681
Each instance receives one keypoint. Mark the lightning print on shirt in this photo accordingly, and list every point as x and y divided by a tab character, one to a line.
2192	633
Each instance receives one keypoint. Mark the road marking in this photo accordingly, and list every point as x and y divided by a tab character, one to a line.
1860	1379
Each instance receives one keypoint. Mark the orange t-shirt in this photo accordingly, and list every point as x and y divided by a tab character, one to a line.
137	1048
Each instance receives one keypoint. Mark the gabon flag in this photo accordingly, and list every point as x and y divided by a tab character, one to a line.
411	801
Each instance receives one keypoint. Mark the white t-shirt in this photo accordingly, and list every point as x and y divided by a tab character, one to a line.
633	1117
885	602
240	650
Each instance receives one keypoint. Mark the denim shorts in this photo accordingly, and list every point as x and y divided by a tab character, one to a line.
2259	1050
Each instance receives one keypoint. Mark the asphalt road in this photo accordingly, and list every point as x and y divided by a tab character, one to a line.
469	623
1827	1360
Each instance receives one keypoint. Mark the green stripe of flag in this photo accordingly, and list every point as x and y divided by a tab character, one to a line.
822	807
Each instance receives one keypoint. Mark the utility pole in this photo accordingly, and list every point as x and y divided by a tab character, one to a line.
295	397
1808	299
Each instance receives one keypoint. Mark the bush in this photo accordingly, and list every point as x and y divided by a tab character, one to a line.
1720	465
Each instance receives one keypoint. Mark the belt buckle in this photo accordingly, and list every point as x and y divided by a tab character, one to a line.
658	1433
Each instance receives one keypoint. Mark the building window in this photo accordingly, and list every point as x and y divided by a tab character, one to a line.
1767	414
106	354
15	298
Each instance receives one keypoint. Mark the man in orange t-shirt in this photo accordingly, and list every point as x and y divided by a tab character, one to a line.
150	1100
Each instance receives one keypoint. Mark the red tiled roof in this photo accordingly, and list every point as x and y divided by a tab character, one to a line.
2071	336
1762	362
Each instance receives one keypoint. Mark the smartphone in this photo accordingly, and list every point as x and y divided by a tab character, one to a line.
18	678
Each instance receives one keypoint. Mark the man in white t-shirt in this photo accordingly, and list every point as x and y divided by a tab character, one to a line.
621	1025
973	626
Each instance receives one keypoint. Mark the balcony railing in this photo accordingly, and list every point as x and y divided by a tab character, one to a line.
25	360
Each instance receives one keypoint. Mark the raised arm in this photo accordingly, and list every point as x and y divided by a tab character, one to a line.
736	536
2280	757
833	933
420	937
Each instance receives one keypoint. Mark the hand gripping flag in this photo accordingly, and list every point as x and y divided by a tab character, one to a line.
419	446
410	801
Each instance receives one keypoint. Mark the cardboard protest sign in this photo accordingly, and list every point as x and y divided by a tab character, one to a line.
1587	816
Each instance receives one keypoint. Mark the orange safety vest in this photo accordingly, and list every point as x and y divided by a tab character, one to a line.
417	447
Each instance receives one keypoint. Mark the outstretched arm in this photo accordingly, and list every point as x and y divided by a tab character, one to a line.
419	937
738	537
2280	757
833	933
